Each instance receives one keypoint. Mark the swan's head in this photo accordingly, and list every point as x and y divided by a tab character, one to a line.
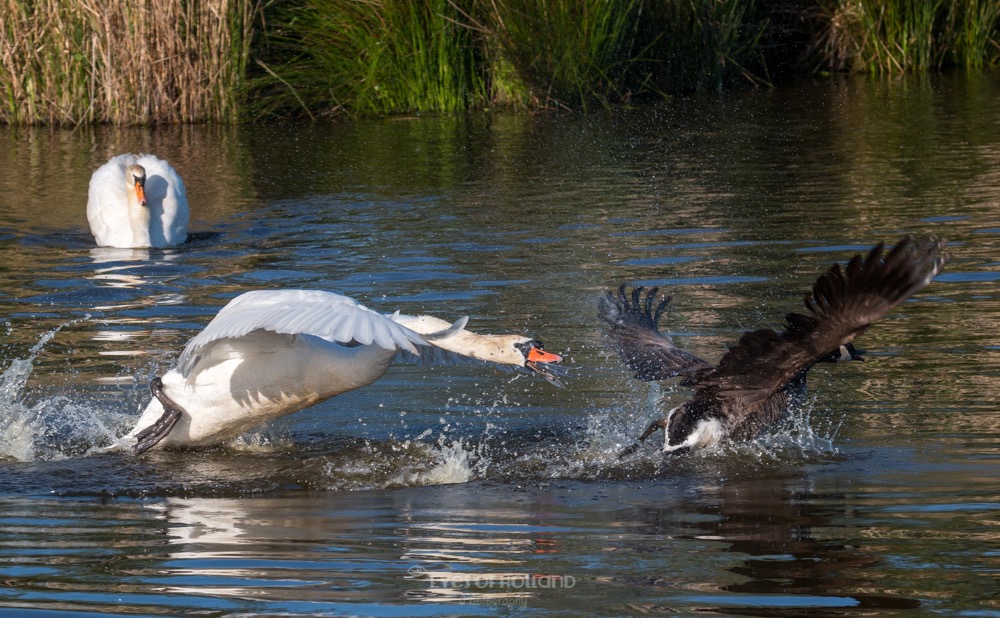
135	177
537	360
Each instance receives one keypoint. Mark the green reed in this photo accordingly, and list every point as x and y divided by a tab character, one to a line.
892	36
972	33
370	57
566	53
395	56
708	44
66	62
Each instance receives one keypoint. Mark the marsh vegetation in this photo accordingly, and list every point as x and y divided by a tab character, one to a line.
69	62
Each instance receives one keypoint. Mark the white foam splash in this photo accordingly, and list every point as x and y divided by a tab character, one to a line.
452	461
37	430
804	432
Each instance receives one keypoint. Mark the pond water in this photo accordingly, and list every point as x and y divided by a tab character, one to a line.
463	490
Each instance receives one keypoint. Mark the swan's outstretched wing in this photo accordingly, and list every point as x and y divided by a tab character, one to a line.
842	304
292	312
634	333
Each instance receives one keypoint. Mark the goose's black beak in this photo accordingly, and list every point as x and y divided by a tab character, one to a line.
846	352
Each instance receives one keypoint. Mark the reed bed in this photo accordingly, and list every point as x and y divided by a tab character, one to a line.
67	62
564	53
709	44
894	36
369	57
366	57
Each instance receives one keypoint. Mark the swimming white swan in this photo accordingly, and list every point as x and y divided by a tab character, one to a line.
270	353
137	201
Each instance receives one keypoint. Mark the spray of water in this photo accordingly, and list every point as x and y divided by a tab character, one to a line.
54	427
478	441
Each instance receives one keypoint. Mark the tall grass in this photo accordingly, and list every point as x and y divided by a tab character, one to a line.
893	36
972	30
390	56
370	57
566	53
709	44
67	62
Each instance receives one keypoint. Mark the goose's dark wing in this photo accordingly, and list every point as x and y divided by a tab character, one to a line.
633	330
842	304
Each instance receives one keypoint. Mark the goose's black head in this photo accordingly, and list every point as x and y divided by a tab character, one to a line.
846	352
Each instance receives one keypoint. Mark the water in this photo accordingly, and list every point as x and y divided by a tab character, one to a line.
464	490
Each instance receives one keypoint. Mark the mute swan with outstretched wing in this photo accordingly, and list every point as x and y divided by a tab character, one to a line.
271	353
137	201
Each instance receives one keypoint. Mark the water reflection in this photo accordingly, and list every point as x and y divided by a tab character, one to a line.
131	269
788	551
734	204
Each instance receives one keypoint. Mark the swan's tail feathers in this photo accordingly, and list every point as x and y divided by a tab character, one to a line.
455	328
152	435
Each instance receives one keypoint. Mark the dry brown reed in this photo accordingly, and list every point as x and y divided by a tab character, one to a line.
67	62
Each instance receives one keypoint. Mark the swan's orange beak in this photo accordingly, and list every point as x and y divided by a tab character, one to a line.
538	355
538	362
140	191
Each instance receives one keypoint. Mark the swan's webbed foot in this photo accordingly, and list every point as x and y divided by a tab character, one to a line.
655	426
151	436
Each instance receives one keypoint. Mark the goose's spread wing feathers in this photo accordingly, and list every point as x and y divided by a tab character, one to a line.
321	314
634	333
841	305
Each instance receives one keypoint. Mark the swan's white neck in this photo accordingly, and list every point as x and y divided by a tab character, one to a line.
491	348
138	219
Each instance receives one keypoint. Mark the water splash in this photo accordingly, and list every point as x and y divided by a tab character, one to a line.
55	427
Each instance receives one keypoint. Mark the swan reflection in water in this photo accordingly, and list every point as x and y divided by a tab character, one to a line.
780	552
354	548
124	275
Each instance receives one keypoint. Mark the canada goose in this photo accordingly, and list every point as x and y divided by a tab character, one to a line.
137	201
270	353
754	381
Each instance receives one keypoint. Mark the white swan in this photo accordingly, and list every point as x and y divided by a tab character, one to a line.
137	201
270	353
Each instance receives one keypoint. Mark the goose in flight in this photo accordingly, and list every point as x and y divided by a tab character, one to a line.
137	201
269	353
757	378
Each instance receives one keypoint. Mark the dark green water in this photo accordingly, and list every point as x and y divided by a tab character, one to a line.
468	491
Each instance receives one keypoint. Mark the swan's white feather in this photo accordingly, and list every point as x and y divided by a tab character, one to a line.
108	204
318	313
269	353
